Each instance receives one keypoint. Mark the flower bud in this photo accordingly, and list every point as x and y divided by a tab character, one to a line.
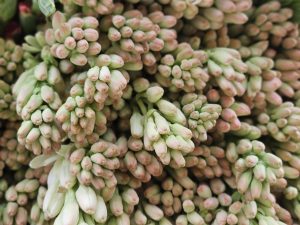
153	212
87	199
100	214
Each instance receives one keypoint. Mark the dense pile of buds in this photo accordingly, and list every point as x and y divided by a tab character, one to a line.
154	112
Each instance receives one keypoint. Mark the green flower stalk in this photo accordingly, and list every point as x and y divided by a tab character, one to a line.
280	123
227	69
87	7
182	69
36	105
74	40
255	170
12	153
83	115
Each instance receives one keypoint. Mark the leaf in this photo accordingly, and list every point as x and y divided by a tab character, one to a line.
296	8
47	7
43	160
8	9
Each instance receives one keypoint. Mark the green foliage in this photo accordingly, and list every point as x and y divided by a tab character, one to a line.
8	9
47	7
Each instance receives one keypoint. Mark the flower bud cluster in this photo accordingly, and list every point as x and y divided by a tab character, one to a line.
10	60
95	166
7	102
162	128
255	170
140	162
213	14
209	162
152	112
182	69
269	19
13	154
201	115
36	105
83	115
281	123
288	152
263	83
88	7
137	38
74	40
232	111
227	69
16	198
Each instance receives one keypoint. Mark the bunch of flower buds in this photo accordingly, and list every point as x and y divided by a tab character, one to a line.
139	162
136	38
227	69
201	115
281	123
263	83
255	170
153	112
10	68
83	115
162	128
208	162
16	199
36	105
182	70
88	7
168	197
288	152
291	194
36	216
218	38
215	14
74	40
7	102
231	111
10	60
269	19
95	166
12	153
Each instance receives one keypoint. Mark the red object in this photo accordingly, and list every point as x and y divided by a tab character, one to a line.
24	7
